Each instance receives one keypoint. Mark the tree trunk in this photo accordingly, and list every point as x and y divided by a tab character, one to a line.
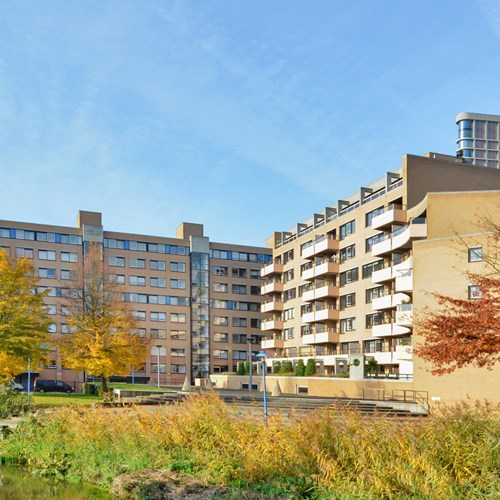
105	387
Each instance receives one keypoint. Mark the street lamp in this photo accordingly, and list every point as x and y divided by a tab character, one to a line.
249	340
158	347
262	357
29	378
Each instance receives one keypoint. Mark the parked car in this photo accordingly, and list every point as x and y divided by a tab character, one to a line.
16	387
52	386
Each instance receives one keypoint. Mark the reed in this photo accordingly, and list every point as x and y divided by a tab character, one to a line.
324	454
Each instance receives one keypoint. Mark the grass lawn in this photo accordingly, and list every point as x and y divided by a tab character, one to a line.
60	399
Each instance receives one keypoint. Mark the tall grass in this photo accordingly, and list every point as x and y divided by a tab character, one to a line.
323	454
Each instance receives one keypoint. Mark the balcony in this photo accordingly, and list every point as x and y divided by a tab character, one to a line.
382	275
272	287
389	330
271	269
403	237
393	215
328	337
327	268
388	301
404	280
275	342
404	352
308	274
325	246
321	292
271	324
326	314
271	306
404	315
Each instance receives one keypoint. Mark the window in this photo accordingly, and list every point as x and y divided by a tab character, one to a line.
178	368
288	314
51	309
138	245
220	270
221	320
347	253
137	263
239	322
69	257
47	273
116	261
239	338
178	335
47	255
141	332
368	269
158	333
177	317
288	256
348	276
24	252
220	354
374	319
475	254
158	282
137	280
240	355
178	284
158	316
347	325
347	229
220	287
178	267
239	272
348	300
158	265
119	279
255	273
289	333
475	292
370	215
154	366
374	293
140	315
255	323
221	337
288	276
240	289
290	294
369	242
255	290
219	254
177	352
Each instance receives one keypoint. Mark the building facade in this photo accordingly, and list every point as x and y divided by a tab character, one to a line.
341	286
197	301
478	139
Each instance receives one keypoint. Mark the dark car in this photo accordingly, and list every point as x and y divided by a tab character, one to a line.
52	386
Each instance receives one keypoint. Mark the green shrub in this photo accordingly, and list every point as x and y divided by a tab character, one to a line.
300	368
276	366
286	367
310	367
247	367
241	368
12	403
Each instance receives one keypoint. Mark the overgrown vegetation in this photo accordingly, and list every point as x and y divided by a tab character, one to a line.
324	454
12	403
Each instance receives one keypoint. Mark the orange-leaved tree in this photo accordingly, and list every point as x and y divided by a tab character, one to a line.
466	332
463	331
104	339
23	321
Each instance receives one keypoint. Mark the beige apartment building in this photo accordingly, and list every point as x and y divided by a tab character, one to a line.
345	284
197	301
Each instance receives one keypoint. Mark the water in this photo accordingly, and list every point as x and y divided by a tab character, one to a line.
17	484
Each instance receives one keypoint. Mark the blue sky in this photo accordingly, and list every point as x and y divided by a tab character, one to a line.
244	115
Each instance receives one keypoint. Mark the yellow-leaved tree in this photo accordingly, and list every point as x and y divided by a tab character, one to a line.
23	322
104	339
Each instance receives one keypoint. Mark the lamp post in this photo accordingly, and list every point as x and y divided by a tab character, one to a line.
262	357
29	378
158	347
249	340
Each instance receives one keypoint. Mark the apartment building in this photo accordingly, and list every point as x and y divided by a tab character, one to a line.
341	286
478	139
197	301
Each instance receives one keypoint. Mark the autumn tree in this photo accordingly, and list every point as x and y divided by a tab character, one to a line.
104	339
23	322
466	332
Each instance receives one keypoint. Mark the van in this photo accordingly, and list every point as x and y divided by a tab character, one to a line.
52	386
